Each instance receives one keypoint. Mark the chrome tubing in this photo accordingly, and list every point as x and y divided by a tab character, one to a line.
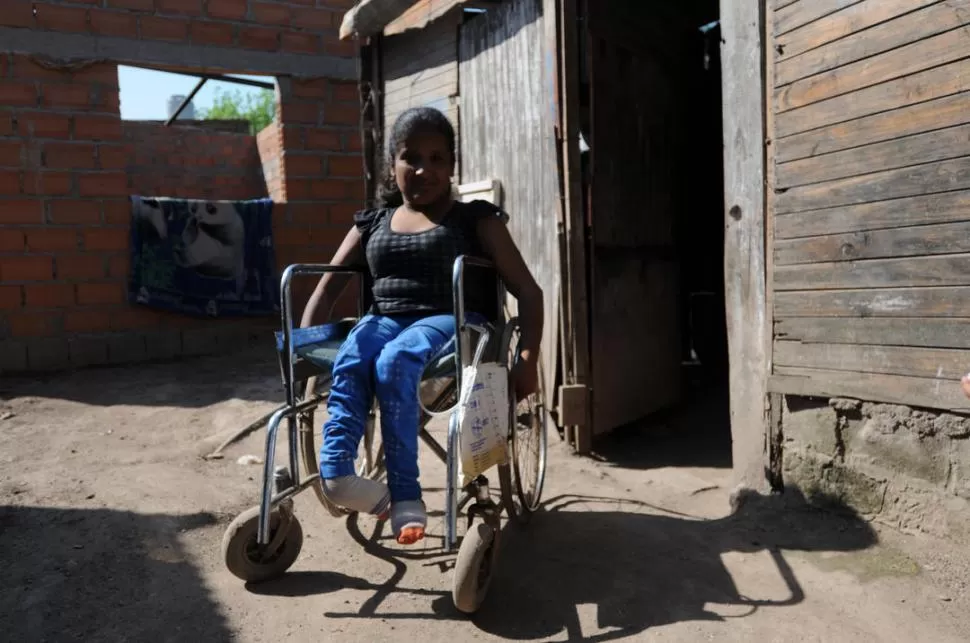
266	501
451	492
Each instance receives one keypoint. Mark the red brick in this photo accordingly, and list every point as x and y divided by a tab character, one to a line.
312	19
139	5
300	112
114	157
21	211
311	88
132	319
89	294
63	19
80	267
26	69
211	33
24	268
181	7
300	43
17	94
52	240
271	13
49	295
156	28
9	182
66	96
328	190
118	266
100	73
33	324
307	213
97	128
117	212
99	239
40	125
74	212
259	38
352	142
100	184
6	125
303	165
322	139
342	214
11	154
341	114
114	23
343	48
345	92
17	13
11	297
227	9
87	321
349	166
48	183
72	156
11	240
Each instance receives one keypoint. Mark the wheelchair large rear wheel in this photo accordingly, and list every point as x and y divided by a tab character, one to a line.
370	454
528	443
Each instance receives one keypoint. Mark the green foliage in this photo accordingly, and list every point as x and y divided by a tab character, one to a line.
258	108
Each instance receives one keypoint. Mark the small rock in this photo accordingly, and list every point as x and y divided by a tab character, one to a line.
249	460
945	599
78	546
90	496
8	415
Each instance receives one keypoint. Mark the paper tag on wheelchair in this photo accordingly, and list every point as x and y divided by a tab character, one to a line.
483	418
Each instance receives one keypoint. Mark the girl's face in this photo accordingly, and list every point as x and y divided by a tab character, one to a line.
422	168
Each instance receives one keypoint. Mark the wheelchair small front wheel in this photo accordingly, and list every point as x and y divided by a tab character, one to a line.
246	560
474	567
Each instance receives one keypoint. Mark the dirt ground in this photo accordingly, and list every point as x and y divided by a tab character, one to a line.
111	523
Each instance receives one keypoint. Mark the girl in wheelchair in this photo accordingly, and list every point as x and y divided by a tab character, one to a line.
410	245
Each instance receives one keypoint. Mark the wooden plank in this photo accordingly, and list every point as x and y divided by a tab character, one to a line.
905	29
937	333
930	178
925	54
793	16
942	270
887	302
948	363
444	84
743	100
938	145
910	90
843	23
504	100
892	389
771	167
896	213
781	4
947	238
914	119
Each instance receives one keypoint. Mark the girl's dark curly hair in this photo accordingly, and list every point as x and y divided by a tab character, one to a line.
410	122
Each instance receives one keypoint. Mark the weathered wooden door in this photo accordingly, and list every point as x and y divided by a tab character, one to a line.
508	128
634	325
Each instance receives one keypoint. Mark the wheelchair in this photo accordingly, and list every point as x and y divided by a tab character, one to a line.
264	541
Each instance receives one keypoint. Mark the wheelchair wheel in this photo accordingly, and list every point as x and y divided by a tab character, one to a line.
474	567
242	554
370	455
528	445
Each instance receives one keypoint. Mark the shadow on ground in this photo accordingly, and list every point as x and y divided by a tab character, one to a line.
636	566
102	575
252	374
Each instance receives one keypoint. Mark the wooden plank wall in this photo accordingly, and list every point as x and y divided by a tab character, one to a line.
420	68
870	205
509	134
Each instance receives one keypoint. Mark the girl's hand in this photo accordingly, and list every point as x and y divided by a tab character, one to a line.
525	378
965	383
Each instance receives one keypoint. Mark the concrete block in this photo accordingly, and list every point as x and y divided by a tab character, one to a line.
88	351
826	482
125	348
960	467
879	451
163	344
810	424
48	354
13	356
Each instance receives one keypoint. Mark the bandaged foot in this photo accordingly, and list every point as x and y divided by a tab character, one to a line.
358	494
408	520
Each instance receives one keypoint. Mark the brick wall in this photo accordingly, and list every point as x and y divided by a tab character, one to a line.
63	186
192	163
270	149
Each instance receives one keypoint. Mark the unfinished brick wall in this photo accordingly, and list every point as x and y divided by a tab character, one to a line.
64	207
192	163
270	149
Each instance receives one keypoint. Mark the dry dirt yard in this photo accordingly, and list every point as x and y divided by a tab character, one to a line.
111	524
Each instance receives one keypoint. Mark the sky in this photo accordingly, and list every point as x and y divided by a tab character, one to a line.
145	93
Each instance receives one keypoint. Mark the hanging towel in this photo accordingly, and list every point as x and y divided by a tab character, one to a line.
203	258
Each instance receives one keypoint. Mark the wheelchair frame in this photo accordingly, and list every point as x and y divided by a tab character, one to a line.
253	552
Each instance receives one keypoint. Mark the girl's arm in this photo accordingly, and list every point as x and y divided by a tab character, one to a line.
497	242
331	285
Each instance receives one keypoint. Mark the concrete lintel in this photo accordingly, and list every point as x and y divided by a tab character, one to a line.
188	56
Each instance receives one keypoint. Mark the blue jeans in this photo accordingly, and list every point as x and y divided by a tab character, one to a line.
385	356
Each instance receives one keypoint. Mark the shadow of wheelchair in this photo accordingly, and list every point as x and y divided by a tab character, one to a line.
639	566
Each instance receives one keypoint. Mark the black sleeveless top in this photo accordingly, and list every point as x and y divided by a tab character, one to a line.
410	273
